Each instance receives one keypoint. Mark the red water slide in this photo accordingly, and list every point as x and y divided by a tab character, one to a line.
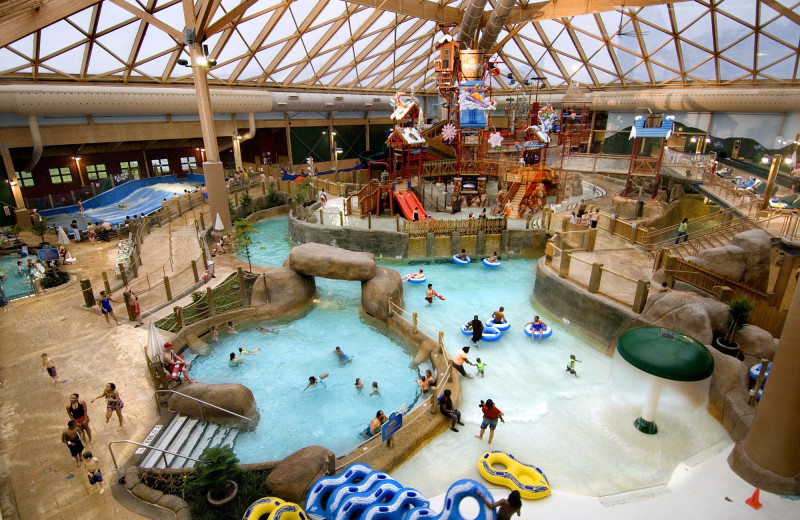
408	202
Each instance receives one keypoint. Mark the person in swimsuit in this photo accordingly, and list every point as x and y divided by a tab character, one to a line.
447	409
498	316
481	366
244	352
105	307
431	293
313	381
232	328
414	276
234	361
463	255
491	414
377	422
493	258
92	466
343	358
113	402
72	439
537	326
79	412
375	390
476	325
50	366
175	363
459	359
508	506
359	384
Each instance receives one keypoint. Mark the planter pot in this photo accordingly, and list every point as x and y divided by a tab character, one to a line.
233	490
730	350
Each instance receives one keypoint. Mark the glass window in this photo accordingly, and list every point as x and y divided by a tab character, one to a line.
96	171
160	166
59	175
189	164
25	178
131	168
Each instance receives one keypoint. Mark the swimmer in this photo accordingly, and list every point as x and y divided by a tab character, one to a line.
508	506
343	358
538	326
431	293
493	259
312	381
377	422
359	384
265	330
232	328
234	361
375	390
498	316
571	365
416	276
243	351
480	366
463	255
214	333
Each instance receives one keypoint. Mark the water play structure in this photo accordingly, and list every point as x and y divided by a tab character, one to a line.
358	493
503	469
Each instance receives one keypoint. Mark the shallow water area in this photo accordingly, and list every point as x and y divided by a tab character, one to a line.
15	285
331	413
577	429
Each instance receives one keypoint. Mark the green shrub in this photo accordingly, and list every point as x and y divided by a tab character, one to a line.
49	280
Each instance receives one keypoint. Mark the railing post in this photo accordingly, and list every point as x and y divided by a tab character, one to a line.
341	219
167	289
761	375
122	273
210	301
202	221
106	285
634	232
434	403
441	339
242	287
414	322
591	239
724	293
178	311
563	269
194	271
642	289
321	220
669	270
612	226
594	280
369	220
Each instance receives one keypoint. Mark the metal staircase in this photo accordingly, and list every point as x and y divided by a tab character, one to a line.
187	437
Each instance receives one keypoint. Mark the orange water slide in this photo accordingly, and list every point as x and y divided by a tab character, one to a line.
407	202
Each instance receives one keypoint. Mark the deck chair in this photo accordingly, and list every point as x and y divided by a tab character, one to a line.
793	206
758	188
788	199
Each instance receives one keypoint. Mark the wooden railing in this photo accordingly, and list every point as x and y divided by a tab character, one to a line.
472	226
369	198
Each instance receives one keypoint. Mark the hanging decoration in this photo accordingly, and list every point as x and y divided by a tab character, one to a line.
449	132
495	140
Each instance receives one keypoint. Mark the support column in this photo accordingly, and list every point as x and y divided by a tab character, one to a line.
769	457
773	174
16	189
212	168
288	128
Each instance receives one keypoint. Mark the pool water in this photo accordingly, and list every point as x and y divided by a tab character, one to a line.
334	412
579	430
14	286
271	243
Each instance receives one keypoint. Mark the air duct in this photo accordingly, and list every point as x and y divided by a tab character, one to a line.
468	30
36	137
496	22
251	118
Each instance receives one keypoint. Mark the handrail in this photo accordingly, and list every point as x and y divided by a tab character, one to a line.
200	402
114	459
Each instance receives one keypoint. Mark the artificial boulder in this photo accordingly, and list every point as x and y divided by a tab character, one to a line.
293	476
283	289
679	310
729	374
756	342
727	261
233	397
314	259
375	293
758	250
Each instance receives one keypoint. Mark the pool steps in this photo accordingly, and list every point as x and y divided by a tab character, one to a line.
189	437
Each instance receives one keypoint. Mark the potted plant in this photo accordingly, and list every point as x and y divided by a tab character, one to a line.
739	310
215	474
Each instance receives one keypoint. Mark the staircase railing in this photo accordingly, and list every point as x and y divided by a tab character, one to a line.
163	452
200	404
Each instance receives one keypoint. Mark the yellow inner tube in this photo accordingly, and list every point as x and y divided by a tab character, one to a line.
271	508
503	469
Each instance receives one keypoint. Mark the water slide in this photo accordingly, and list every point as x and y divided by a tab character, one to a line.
407	202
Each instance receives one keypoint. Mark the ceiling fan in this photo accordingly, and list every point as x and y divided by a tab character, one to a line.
632	32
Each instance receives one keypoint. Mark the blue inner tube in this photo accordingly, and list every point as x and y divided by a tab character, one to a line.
546	333
502	327
487	263
491	334
465	330
417	280
457	260
756	370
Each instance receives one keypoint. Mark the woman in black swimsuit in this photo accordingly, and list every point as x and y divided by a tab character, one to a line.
79	412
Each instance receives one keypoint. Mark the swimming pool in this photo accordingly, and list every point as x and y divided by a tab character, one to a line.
15	286
334	412
578	430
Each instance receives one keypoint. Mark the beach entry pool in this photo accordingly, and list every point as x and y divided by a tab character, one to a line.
14	285
577	429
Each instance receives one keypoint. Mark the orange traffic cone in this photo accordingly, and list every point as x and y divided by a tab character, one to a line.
753	500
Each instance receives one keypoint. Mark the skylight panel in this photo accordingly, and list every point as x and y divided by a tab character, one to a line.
385	44
302	9
604	77
223	72
252	70
172	15
281	30
69	62
662	75
564	44
625	59
111	15
58	36
582	76
728	71
589	44
279	76
250	29
585	22
687	12
705	72
770	50
155	67
653	38
338	39
102	62
313	37
655	14
667	55
332	11
700	33
234	48
359	18
529	32
120	41
551	28
742	52
783	29
295	54
10	61
782	70
602	59
745	10
23	46
348	78
362	43
639	74
155	42
729	30
304	75
692	56
82	19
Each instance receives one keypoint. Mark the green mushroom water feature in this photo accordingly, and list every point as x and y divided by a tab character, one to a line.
666	354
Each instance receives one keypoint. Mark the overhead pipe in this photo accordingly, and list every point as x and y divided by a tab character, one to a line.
36	137
495	24
468	30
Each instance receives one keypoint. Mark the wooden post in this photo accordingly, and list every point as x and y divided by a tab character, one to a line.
210	301
634	232
341	219
122	273
591	239
106	285
88	295
135	266
414	322
194	271
434	404
202	221
321	220
594	280
178	311
242	287
369	220
563	269
180	212
642	289
761	375
167	289
441	339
